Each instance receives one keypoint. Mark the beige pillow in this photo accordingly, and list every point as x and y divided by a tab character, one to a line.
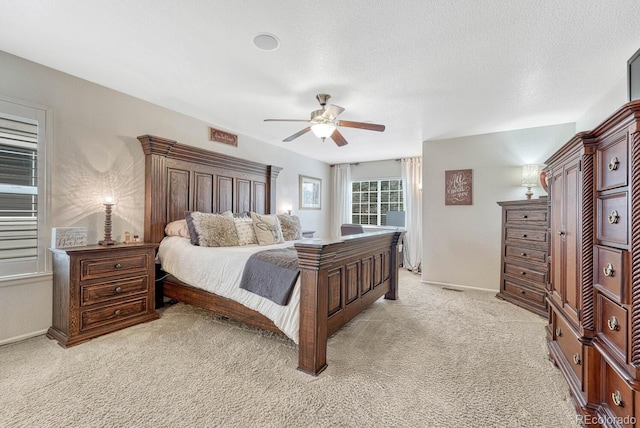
244	229
177	228
267	229
290	225
211	230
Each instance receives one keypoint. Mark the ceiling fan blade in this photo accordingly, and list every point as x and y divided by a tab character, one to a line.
360	125
338	138
297	134
287	120
332	111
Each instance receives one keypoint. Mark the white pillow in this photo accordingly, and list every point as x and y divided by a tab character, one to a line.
267	229
244	228
177	228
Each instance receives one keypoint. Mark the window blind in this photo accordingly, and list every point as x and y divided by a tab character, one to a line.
18	189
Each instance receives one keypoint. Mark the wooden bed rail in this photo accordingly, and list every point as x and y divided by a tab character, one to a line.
339	279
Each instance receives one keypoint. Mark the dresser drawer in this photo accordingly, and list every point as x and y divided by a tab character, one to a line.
526	234
611	271
111	314
612	325
612	162
523	253
525	273
569	345
527	216
613	218
523	292
103	292
617	395
103	267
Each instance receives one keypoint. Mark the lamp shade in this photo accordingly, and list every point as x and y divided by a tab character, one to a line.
530	174
323	130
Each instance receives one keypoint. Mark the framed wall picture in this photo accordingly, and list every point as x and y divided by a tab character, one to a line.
458	187
310	196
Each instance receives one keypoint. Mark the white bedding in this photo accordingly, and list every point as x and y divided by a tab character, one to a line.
219	270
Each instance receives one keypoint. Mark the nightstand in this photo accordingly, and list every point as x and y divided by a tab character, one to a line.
101	289
308	233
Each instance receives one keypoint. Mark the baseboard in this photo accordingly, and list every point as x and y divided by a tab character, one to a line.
22	337
460	287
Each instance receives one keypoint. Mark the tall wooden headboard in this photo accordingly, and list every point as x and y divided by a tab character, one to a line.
181	178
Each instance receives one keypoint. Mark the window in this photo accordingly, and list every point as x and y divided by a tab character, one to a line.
370	200
22	172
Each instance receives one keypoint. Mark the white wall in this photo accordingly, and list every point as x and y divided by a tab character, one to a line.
613	99
376	170
95	151
461	244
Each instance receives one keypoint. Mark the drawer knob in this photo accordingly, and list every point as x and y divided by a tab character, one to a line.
560	233
613	163
613	323
525	216
576	358
523	254
616	396
558	332
118	266
117	312
614	217
522	292
118	290
608	270
524	235
523	273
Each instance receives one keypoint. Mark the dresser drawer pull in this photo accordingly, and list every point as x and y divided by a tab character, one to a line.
523	254
118	290
117	312
560	233
614	217
525	216
576	358
118	266
523	273
558	332
616	396
613	164
613	323
523	292
608	270
524	235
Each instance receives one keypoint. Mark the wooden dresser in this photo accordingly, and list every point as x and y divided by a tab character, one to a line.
525	247
594	323
98	290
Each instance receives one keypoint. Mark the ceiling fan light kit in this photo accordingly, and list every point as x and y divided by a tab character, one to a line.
324	123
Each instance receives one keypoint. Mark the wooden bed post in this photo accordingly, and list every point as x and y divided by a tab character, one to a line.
313	334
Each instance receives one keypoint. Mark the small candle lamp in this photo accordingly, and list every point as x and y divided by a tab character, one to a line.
108	203
529	178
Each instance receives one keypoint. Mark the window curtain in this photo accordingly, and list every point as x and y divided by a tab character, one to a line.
412	178
341	213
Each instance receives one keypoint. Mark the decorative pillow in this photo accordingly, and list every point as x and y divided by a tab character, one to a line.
211	230
267	229
177	228
290	225
244	229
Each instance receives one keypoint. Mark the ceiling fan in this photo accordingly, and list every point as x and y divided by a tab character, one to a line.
324	123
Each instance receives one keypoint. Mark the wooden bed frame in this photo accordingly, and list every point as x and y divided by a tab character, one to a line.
339	278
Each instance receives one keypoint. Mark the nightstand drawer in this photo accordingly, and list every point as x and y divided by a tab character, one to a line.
526	254
99	268
526	235
94	318
523	292
104	292
525	273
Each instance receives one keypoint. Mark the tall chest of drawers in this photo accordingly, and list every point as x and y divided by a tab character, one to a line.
98	290
525	247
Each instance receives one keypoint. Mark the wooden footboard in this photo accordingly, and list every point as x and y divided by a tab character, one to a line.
340	279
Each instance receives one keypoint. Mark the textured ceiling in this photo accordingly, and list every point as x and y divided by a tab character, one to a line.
427	69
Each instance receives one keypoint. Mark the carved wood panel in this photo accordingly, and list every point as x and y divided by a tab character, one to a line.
385	265
225	194
377	270
260	198
367	277
178	194
335	291
203	192
351	282
243	188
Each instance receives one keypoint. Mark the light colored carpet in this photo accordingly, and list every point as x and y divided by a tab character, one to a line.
433	358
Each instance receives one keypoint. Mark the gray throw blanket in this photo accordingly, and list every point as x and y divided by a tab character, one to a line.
272	274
